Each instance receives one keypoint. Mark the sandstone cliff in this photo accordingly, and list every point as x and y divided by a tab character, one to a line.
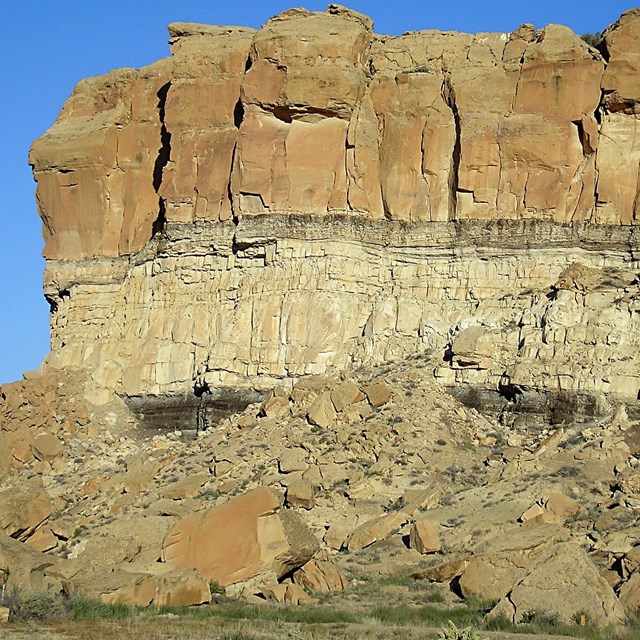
269	204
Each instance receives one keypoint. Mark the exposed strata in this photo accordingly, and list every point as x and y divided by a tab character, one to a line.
269	204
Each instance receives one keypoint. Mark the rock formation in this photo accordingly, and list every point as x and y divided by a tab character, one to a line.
328	227
269	204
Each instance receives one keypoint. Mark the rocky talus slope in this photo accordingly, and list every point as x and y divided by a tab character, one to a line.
338	483
330	307
269	204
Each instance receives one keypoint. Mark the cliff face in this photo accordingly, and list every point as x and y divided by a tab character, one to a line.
268	204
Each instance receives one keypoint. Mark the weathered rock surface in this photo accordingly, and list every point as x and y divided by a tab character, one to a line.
23	509
241	539
498	564
320	574
349	198
22	568
424	537
563	583
143	585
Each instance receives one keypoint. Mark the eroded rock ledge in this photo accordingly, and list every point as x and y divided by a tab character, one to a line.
270	204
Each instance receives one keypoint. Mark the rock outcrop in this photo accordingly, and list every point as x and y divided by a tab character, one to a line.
348	198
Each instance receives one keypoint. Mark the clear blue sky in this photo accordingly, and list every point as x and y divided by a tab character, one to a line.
49	46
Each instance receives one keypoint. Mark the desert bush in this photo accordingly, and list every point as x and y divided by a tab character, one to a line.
451	632
82	608
41	606
215	588
593	39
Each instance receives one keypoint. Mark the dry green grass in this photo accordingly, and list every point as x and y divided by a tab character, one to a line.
229	621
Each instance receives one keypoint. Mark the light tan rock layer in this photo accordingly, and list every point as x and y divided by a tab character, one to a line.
534	305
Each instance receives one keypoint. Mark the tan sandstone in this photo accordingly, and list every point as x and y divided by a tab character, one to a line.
241	538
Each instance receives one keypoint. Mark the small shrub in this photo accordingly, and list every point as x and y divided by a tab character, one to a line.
541	618
216	589
593	39
83	608
451	632
40	605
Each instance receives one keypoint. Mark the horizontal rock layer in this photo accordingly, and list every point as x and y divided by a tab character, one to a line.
269	204
518	304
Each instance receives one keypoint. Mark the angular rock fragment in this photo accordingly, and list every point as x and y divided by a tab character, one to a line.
239	539
143	585
320	574
424	537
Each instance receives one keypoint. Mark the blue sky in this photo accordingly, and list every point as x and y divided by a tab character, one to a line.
50	46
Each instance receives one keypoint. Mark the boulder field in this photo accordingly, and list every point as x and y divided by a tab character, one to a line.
338	482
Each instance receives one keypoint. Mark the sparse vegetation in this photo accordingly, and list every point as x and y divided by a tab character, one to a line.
451	632
593	39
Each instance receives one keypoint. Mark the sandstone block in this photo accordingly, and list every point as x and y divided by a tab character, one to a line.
128	538
300	494
501	561
286	592
629	593
23	509
43	539
22	452
292	460
320	574
378	393
374	530
275	406
188	487
240	539
140	472
562	506
424	537
47	447
443	572
555	507
345	394
22	562
143	585
322	412
563	582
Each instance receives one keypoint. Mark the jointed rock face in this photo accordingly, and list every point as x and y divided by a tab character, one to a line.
349	221
269	204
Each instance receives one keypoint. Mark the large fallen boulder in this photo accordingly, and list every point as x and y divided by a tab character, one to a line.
563	584
242	538
499	563
22	568
24	508
128	538
142	585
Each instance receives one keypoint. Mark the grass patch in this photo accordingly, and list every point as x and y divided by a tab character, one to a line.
95	620
89	609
